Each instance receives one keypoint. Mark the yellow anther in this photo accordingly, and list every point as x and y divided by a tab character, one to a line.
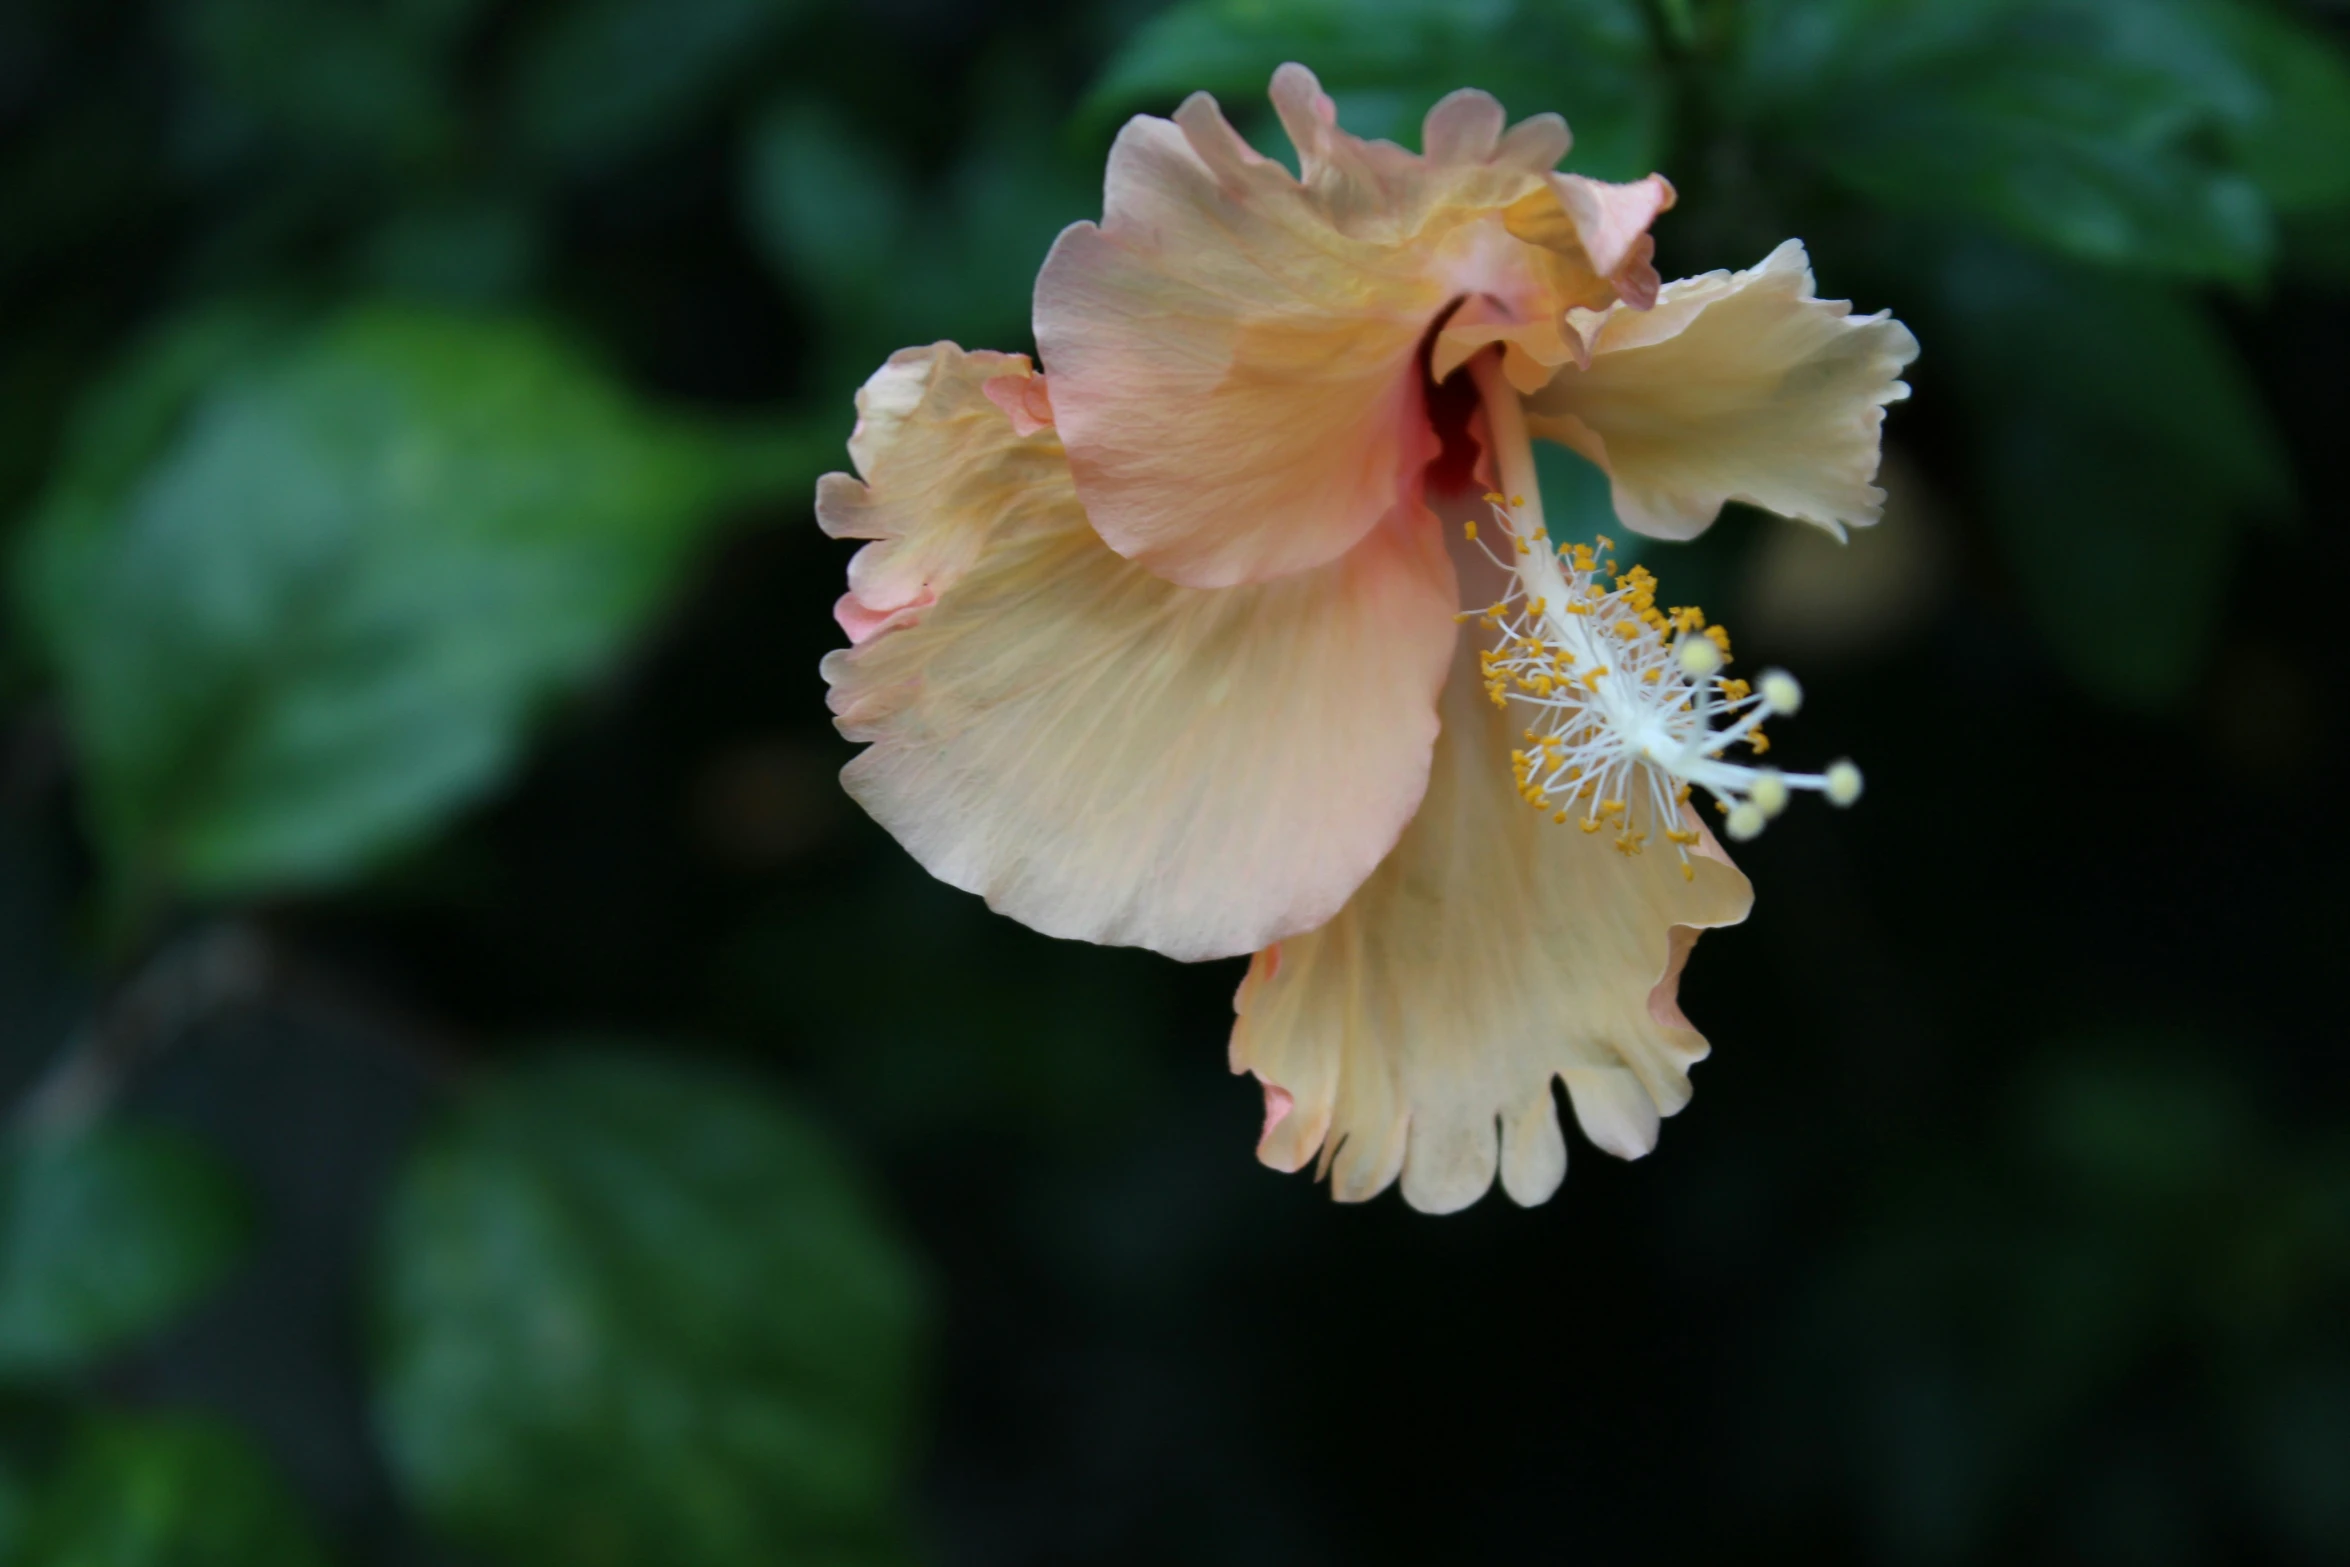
1589	824
1760	741
1688	871
1611	807
1652	677
1469	531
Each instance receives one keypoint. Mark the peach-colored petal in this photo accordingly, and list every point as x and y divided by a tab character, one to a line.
1418	1033
1235	351
1277	1104
1104	754
1596	249
1024	398
1613	222
1737	386
1533	350
862	624
953	475
1468	164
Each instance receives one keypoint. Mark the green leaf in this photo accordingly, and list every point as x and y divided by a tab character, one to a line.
130	418
2121	441
2076	126
367	78
16	1506
886	263
470	251
323	616
167	1492
1387	60
609	76
633	1312
829	207
2294	141
105	1235
2317	249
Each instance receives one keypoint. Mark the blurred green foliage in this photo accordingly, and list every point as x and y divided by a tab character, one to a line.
1389	60
2125	136
105	1234
2121	442
633	1313
166	1492
2135	1215
318	617
407	411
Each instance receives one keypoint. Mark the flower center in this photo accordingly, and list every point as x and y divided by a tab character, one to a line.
1628	709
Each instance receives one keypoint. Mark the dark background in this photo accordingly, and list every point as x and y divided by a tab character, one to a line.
482	1094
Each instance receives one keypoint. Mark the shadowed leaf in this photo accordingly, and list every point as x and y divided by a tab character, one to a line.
166	1492
104	1236
1387	62
321	615
634	1313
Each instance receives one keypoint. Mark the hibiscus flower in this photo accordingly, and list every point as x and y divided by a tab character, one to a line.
1240	630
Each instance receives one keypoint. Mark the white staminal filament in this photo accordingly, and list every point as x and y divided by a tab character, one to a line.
1628	710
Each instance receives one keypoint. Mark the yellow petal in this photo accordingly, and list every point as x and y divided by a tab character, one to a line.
1235	352
1099	752
1418	1033
1736	386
